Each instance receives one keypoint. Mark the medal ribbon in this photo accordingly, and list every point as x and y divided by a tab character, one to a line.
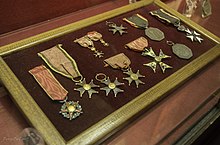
138	44
137	21
61	62
162	15
49	83
119	61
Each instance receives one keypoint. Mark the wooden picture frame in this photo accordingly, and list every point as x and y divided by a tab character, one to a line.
108	125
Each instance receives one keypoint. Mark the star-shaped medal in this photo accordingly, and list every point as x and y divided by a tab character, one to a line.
98	54
120	29
133	77
157	59
86	87
112	86
193	35
71	110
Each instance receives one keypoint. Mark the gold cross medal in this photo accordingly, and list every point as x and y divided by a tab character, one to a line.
62	63
133	77
121	61
110	86
157	60
86	87
140	22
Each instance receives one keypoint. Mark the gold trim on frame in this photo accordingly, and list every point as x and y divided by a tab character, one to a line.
28	106
107	125
34	40
190	23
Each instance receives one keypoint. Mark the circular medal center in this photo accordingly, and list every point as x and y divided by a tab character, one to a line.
71	108
86	87
111	85
134	76
93	49
157	59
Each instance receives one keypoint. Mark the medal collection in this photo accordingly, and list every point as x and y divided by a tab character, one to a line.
87	41
168	18
59	61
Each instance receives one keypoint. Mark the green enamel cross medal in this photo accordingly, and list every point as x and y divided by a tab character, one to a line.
140	22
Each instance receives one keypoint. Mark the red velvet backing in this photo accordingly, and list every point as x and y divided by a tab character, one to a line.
101	106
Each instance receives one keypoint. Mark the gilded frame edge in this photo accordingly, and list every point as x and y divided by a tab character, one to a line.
117	118
28	106
51	34
34	40
144	100
189	22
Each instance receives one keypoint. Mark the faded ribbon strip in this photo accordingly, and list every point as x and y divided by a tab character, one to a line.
49	83
61	62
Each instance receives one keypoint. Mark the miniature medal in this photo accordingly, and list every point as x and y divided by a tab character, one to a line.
96	36
139	21
56	92
182	51
86	87
133	77
114	28
164	16
157	60
110	86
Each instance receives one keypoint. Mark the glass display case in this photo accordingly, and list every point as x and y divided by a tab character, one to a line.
164	103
